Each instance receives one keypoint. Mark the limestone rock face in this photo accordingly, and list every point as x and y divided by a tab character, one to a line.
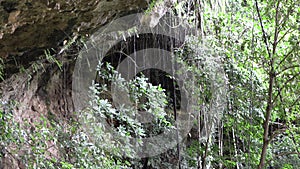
29	26
27	29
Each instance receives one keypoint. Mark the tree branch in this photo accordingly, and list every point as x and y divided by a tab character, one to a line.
262	28
276	133
286	17
296	101
286	153
284	85
276	32
271	84
287	68
288	31
287	55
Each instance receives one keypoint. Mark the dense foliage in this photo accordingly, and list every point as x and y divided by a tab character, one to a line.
257	43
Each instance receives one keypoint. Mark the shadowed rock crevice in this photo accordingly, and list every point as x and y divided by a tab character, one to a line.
26	25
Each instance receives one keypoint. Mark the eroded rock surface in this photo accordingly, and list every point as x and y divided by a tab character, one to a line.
27	27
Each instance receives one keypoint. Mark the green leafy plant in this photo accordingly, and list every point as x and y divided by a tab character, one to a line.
50	58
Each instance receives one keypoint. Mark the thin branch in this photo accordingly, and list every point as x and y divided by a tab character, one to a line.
276	32
296	101
284	85
286	17
262	28
276	133
285	154
287	68
286	56
288	31
277	123
243	32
